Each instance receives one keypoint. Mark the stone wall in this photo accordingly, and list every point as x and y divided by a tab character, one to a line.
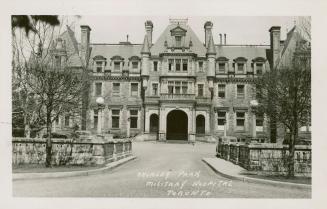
67	152
267	158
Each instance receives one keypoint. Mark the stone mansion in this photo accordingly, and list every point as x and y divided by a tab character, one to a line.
176	87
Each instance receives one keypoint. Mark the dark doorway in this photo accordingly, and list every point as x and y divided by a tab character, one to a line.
177	125
154	123
200	125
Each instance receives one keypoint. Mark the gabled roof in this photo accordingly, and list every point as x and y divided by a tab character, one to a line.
145	46
289	46
71	47
197	45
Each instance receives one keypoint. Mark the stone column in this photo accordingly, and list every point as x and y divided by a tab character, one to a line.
99	121
254	131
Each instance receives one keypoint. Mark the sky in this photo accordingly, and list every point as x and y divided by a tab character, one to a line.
239	30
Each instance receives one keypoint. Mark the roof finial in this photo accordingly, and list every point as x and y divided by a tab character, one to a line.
127	37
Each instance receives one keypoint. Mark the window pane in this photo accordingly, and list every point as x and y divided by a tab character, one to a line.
155	66
170	64
134	89
200	66
240	91
116	87
221	114
133	112
116	65
221	90
240	114
155	89
200	89
240	67
259	67
133	122
184	65
115	122
178	40
135	65
98	89
178	65
222	67
115	112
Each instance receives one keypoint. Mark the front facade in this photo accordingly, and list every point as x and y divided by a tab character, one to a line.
177	87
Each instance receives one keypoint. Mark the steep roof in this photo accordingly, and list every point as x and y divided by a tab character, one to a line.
145	46
71	47
108	51
197	45
289	46
249	52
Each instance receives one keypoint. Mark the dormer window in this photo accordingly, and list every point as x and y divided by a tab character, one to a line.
135	65
259	68
99	63
178	41
258	65
240	65
116	66
99	66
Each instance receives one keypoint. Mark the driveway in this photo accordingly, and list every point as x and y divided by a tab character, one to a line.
160	170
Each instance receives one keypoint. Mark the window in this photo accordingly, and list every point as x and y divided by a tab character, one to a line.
259	122
67	118
184	87
57	61
155	66
185	64
221	120
259	69
170	64
95	119
240	91
240	67
240	121
117	66
134	89
99	67
133	118
116	88
200	90
221	90
115	114
135	65
178	40
155	89
170	87
201	66
98	89
177	87
178	64
221	67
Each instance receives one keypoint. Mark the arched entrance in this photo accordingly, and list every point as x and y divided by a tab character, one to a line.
200	125
154	123
177	125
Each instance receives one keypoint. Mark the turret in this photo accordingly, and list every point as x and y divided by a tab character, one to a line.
211	56
207	31
145	54
149	29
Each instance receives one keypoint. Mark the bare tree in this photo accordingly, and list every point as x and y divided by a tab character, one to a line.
46	84
285	94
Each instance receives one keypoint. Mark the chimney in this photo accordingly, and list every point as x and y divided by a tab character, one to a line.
207	31
221	39
149	29
225	39
274	43
85	42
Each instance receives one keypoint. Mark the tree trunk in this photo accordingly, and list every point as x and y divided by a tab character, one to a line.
49	142
291	150
27	131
